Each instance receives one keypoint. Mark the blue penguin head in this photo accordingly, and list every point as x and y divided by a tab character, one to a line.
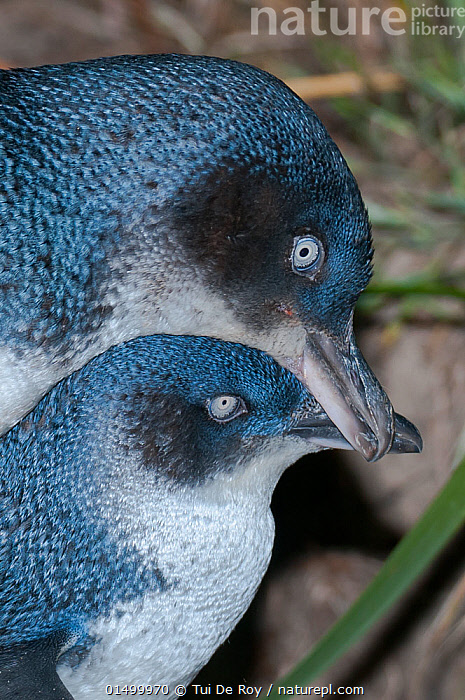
156	413
104	486
216	173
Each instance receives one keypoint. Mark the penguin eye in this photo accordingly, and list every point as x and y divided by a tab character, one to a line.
225	408
307	255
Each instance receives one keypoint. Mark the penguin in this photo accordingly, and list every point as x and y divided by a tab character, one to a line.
135	521
183	195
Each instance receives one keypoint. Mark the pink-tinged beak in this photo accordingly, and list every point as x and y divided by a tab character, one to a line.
338	376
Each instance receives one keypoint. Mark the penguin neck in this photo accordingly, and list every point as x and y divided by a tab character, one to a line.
153	300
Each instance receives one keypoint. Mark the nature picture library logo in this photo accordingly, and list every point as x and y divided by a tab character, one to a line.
422	20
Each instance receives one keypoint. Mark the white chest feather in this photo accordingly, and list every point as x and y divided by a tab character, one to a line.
213	554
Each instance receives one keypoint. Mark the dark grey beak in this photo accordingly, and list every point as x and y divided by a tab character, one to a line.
336	373
322	432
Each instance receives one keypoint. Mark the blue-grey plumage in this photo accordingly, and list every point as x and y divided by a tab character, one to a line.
134	517
181	195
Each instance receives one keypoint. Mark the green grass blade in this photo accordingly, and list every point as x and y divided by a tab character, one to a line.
441	520
402	288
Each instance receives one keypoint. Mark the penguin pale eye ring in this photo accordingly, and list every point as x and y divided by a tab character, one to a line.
307	255
224	408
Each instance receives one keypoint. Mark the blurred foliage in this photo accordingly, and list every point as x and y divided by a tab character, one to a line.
413	144
407	562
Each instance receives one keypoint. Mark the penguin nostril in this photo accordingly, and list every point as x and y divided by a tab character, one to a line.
355	378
